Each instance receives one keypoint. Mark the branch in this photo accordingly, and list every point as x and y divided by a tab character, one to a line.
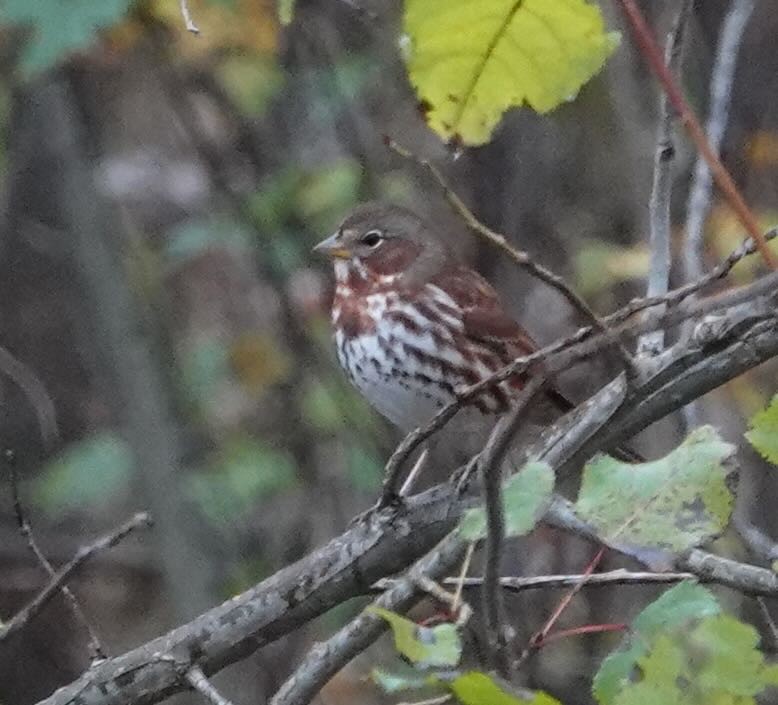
36	393
349	564
609	578
661	191
196	678
491	471
188	21
756	541
720	92
325	660
66	572
25	529
653	57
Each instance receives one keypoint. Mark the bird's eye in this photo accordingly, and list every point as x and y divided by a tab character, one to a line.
372	237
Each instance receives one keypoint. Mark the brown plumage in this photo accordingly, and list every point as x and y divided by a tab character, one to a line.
413	325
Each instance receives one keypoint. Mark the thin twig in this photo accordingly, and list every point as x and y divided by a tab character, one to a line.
770	622
546	639
698	203
460	611
96	650
610	578
36	393
188	21
21	618
661	190
491	472
199	682
537	639
414	438
327	658
721	176
418	466
721	80
462	574
520	257
756	541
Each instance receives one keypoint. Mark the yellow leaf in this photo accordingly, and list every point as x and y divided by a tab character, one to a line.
471	61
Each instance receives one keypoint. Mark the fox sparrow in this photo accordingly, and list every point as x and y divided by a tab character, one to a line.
413	326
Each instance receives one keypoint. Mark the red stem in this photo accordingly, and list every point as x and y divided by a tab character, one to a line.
653	55
577	631
540	637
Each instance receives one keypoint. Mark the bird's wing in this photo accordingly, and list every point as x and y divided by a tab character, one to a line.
487	324
484	319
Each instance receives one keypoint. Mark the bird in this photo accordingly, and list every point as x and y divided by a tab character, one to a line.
414	326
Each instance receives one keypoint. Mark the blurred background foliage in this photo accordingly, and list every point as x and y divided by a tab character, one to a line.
162	192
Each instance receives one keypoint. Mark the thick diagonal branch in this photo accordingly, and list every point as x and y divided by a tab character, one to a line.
349	564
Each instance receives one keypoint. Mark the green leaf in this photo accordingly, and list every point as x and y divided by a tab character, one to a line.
325	193
285	11
365	469
684	650
476	688
197	237
471	61
672	504
397	682
203	367
732	662
525	497
88	473
245	472
59	28
425	647
764	432
662	669
674	609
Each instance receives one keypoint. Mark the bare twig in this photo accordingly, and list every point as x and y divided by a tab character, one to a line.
770	622
721	80
96	650
21	618
34	390
675	296
327	658
462	574
418	466
698	203
541	635
721	176
199	682
661	191
460	611
520	257
491	471
610	578
188	21
756	541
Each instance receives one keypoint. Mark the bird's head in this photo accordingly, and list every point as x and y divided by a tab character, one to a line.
384	244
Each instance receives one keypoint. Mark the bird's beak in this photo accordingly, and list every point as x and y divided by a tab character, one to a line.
331	247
